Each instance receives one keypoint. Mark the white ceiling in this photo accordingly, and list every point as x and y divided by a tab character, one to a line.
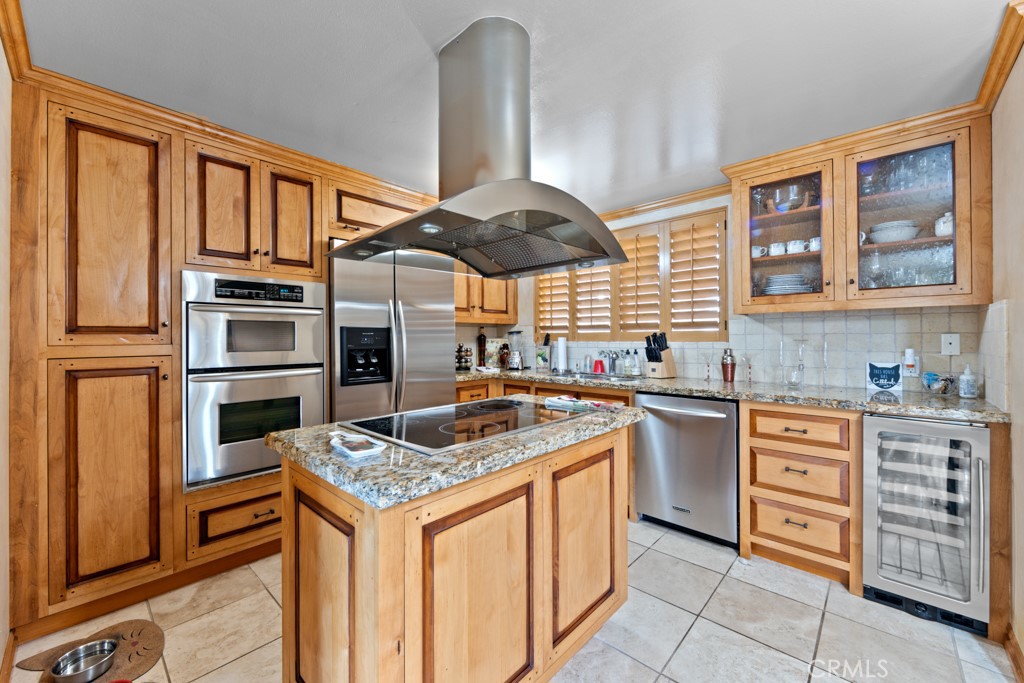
631	101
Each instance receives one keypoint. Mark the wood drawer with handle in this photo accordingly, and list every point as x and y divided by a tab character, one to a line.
812	530
241	519
814	430
809	476
472	392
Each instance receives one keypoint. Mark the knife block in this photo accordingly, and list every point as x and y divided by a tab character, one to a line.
666	369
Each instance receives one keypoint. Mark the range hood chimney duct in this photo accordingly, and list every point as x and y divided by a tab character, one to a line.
491	215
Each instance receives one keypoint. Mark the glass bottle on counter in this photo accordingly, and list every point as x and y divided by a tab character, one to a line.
481	348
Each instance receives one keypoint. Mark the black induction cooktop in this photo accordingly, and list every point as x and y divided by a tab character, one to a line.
435	430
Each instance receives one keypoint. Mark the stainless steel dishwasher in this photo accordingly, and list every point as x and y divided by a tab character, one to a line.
686	463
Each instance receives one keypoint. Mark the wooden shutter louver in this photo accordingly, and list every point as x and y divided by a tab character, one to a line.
552	307
640	306
696	277
593	305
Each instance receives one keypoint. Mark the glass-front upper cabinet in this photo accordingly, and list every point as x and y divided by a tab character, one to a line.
786	237
908	227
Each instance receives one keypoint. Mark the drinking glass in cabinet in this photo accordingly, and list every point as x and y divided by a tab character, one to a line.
906	209
785	231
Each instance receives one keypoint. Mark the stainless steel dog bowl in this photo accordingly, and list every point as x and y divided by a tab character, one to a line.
85	663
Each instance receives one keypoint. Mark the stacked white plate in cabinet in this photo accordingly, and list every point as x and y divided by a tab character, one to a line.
894	231
787	284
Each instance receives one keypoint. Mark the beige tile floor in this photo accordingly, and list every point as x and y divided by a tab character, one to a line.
695	613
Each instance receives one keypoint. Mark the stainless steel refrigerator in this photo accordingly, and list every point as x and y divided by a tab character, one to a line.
393	335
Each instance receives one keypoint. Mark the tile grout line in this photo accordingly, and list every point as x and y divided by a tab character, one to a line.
817	640
226	604
235	660
163	660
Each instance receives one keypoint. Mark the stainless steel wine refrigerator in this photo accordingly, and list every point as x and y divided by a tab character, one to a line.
926	518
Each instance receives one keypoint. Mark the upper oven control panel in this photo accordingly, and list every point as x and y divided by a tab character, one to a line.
257	291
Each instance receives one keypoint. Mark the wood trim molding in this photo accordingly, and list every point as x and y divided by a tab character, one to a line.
349	531
723	190
1004	55
15	40
430	531
7	664
1012	646
609	455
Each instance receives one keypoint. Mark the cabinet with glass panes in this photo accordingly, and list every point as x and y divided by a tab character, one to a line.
867	221
909	218
786	235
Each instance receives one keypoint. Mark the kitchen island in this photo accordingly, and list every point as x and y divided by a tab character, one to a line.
494	561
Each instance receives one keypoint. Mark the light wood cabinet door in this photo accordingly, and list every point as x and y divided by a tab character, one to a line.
471	567
498	299
353	214
463	294
584	522
109	474
291	238
222	207
109	230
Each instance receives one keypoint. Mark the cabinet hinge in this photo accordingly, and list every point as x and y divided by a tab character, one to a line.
726	325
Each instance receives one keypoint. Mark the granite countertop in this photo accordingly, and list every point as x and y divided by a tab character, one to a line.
905	404
399	475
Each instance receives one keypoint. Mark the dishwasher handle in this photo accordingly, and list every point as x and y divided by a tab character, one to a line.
687	411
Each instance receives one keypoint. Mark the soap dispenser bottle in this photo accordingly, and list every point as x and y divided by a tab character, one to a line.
968	384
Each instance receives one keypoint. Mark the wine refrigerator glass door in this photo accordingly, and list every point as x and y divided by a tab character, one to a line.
926	514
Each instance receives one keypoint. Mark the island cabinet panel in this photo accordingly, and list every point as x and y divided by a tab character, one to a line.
323	584
109	474
476	593
583	540
222	207
109	230
290	213
323	593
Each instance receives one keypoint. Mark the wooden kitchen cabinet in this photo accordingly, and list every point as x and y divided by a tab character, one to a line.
354	214
291	237
233	521
472	391
109	230
222	207
483	300
801	488
845	193
108	475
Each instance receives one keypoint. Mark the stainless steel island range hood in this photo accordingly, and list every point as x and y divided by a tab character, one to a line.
491	215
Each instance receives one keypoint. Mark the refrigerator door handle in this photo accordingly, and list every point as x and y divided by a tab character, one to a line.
394	355
982	512
405	356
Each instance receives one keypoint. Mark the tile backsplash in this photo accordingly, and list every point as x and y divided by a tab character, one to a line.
852	337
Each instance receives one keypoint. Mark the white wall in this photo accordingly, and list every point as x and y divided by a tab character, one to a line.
1008	250
5	345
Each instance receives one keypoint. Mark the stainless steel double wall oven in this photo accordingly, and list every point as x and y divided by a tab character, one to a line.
254	363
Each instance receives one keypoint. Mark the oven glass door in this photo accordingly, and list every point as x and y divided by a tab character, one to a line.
230	413
239	336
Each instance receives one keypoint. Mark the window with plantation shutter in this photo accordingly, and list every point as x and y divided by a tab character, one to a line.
696	276
674	282
593	303
552	304
640	302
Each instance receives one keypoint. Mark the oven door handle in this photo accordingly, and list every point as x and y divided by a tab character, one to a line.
405	356
259	374
394	355
255	310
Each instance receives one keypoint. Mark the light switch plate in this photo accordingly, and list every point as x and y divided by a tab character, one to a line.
950	345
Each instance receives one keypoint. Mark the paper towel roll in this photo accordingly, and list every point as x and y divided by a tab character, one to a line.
560	354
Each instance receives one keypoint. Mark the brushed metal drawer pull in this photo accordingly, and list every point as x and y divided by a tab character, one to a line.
798	431
789	521
257	515
803	472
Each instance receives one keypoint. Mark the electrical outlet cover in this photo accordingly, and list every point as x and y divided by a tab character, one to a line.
950	344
